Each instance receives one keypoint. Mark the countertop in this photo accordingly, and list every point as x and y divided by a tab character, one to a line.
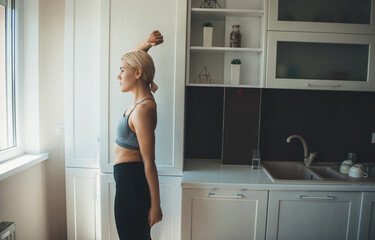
210	173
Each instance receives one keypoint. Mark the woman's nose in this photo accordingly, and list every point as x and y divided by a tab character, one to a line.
118	77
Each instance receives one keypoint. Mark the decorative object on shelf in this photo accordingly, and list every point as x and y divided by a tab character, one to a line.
235	36
207	34
235	71
204	76
210	4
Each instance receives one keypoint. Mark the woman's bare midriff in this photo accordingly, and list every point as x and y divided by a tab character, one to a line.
122	155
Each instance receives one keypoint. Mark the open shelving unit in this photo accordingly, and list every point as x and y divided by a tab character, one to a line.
250	15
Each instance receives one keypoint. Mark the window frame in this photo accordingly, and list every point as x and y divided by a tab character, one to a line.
13	71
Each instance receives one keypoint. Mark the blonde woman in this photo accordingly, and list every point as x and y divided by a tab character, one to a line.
137	200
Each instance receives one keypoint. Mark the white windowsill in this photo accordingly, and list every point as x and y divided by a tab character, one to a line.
17	164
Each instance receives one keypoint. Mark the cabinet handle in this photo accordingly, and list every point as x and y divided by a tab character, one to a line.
322	85
213	195
317	197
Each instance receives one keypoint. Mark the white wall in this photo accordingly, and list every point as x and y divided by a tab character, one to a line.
51	100
35	198
23	200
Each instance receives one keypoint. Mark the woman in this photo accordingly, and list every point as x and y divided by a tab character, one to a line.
137	201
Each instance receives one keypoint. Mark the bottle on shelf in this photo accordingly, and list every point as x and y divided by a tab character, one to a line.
235	36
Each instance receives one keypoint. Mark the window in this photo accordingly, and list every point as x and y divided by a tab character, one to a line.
8	129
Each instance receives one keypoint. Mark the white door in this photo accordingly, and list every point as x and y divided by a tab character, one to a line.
223	214
170	196
81	83
313	215
367	223
83	215
124	23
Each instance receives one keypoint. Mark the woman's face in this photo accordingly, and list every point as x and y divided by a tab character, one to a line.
127	77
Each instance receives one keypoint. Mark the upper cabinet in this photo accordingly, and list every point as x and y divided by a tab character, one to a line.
335	16
322	61
321	45
124	23
209	61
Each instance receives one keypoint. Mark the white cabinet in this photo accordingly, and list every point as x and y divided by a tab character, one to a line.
250	15
212	214
313	215
83	215
322	61
170	196
123	24
367	223
349	16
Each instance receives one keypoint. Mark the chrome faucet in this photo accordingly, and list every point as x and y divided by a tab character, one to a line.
307	158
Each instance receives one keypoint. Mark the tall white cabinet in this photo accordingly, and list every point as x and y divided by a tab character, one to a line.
97	34
81	86
123	24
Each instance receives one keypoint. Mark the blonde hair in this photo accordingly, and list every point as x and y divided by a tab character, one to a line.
141	59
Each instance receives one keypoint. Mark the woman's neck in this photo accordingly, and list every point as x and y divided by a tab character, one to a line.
141	92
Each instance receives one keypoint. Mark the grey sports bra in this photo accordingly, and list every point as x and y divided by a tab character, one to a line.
126	138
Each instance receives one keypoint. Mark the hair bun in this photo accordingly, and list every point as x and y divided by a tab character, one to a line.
153	87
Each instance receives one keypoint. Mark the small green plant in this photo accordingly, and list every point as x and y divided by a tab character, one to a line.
236	61
207	24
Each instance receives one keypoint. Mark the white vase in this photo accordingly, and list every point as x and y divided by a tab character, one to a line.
235	74
207	36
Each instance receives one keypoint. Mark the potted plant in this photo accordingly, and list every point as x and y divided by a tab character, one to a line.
235	71
207	34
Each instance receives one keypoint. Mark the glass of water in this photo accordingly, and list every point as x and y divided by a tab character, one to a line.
255	160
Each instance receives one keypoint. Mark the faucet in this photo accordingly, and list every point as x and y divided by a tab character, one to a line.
307	158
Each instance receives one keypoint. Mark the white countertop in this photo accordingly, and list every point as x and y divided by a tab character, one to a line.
210	173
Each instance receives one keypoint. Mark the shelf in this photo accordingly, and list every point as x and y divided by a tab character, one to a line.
197	49
221	14
221	85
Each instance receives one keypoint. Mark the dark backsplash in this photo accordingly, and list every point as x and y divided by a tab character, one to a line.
241	121
203	122
332	123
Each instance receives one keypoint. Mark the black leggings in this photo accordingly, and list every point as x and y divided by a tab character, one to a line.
132	201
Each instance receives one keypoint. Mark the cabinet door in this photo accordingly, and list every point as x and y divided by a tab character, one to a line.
223	214
367	223
313	215
170	196
83	216
81	79
123	24
349	16
320	61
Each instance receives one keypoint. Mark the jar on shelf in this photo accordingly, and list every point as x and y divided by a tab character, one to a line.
235	36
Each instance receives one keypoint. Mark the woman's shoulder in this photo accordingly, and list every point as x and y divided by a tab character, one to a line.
146	108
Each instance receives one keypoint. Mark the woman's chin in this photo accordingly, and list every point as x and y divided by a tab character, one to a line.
125	90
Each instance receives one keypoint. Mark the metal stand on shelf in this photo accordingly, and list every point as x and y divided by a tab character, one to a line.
210	4
204	76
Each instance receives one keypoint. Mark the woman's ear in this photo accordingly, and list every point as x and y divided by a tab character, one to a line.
138	73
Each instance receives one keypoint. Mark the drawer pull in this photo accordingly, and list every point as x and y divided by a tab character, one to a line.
213	195
322	85
317	197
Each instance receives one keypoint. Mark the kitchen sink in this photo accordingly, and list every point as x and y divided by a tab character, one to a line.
289	171
327	173
323	172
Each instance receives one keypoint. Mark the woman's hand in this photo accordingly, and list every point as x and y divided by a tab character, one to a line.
155	215
155	38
